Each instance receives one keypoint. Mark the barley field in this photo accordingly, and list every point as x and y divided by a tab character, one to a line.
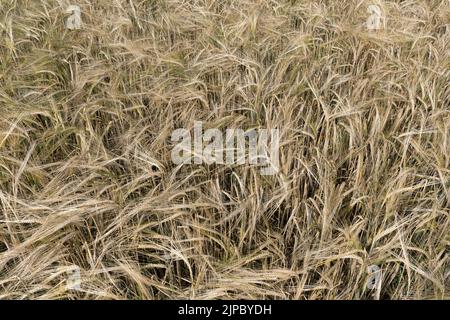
93	207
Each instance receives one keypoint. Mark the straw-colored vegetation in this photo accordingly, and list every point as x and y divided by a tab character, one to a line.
86	177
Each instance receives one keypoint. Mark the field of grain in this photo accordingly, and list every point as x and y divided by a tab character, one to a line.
87	183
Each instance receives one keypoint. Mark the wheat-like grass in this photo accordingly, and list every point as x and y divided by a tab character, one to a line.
86	177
